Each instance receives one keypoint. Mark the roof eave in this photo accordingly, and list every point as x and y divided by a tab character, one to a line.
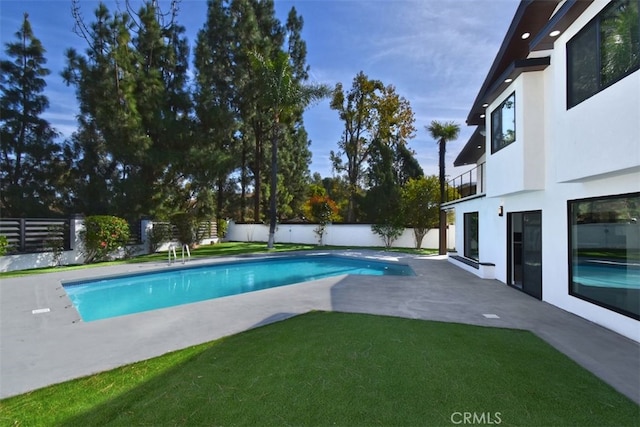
476	117
530	16
473	149
560	21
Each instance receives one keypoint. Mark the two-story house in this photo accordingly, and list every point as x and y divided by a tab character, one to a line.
552	204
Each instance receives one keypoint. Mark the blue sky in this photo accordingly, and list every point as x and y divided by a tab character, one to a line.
435	52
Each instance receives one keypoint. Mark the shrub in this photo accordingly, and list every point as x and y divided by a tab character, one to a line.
388	232
4	245
55	242
102	235
159	234
187	225
323	210
222	227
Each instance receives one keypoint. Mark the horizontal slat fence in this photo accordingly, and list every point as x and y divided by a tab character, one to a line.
206	229
135	233
32	235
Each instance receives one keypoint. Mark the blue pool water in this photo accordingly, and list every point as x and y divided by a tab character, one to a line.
607	275
117	296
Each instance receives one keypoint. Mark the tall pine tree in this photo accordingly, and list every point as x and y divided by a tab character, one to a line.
131	84
265	37
88	187
234	131
29	156
216	150
295	153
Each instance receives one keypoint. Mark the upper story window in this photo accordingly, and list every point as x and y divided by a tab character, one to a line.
503	124
604	51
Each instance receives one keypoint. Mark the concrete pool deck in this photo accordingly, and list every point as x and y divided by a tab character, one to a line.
43	341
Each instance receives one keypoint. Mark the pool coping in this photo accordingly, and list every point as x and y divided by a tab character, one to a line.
48	347
68	285
205	262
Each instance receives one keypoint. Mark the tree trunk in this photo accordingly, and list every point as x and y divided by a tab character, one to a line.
274	186
350	208
351	205
442	247
419	234
441	153
220	198
243	181
442	240
257	175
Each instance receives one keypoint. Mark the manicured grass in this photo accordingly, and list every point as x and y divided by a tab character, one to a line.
614	254
342	369
206	251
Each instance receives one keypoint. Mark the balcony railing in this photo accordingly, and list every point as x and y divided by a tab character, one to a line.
468	184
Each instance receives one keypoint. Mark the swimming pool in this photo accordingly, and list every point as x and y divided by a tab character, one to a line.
116	296
607	274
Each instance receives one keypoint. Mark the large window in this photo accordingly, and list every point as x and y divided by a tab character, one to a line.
604	250
503	124
604	51
471	236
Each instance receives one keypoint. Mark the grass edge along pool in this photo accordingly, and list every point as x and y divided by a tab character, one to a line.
102	298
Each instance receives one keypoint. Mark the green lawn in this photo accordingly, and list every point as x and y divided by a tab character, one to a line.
207	251
339	369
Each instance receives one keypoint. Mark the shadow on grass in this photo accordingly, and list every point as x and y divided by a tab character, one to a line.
334	368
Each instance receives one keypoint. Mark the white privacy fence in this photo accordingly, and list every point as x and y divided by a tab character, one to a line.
607	235
335	235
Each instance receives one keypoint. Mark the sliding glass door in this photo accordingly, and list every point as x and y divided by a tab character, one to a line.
524	255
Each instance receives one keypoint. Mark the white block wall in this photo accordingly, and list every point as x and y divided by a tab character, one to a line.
335	235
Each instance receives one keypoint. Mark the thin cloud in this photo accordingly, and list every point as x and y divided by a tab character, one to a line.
435	52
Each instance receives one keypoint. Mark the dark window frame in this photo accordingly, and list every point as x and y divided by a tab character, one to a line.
467	236
497	118
570	253
594	24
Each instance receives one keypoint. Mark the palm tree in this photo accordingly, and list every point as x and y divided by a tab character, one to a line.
443	132
284	97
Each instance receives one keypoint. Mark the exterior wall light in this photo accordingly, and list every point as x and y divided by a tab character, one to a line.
500	210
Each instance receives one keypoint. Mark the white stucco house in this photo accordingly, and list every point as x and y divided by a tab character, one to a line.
551	204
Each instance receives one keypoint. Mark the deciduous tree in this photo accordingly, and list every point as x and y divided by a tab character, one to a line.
321	209
375	118
421	205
